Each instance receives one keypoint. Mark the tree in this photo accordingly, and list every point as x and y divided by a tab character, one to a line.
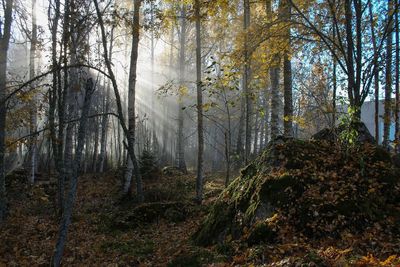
182	88
200	160
397	89
104	122
246	81
348	46
67	213
56	138
287	73
376	74
274	74
5	35
33	112
132	95
388	78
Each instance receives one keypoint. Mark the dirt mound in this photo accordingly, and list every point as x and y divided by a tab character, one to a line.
306	188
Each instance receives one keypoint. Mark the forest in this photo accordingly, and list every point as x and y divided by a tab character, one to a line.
199	133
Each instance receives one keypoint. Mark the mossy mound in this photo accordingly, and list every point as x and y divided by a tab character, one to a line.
305	188
150	213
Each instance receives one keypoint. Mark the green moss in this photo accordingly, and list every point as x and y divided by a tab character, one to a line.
225	249
316	189
218	220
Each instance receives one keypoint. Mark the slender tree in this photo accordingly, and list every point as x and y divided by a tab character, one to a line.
5	35
132	94
200	159
54	97
104	122
397	78
246	81
67	214
287	74
33	107
182	69
388	79
274	74
376	73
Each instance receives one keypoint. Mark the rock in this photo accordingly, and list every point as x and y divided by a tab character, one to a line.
332	135
172	171
304	187
148	213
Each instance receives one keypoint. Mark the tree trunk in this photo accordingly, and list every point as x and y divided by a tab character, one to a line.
95	146
397	62
275	97
287	75
127	131
239	144
57	97
266	119
256	132
200	159
182	55
274	73
246	82
67	214
132	96
33	108
4	44
263	125
104	128
376	73
388	77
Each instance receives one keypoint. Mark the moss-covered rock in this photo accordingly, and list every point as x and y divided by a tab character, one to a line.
150	213
314	188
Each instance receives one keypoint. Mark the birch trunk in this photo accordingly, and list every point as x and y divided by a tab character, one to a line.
67	214
121	117
388	78
132	98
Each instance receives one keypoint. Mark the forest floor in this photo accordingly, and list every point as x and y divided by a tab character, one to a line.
108	230
29	235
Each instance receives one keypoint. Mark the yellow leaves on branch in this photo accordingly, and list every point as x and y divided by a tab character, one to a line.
183	91
370	260
27	96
